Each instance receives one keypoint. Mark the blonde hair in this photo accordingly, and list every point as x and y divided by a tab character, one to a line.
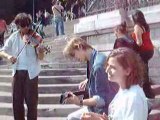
73	44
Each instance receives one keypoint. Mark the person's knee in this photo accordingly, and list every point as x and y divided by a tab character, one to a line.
71	117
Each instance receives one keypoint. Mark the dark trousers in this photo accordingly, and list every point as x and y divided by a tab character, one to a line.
26	90
146	56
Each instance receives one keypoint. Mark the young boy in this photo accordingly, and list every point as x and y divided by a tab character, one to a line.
101	91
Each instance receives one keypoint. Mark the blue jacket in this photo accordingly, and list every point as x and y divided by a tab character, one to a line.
98	85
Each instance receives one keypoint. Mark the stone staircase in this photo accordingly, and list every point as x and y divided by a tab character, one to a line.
58	75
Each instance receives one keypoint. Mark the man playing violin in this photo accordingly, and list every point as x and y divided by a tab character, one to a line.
24	56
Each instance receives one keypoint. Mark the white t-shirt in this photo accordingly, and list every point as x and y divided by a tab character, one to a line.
129	104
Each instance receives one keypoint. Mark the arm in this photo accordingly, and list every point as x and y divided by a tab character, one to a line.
138	33
7	47
40	52
12	59
53	9
75	100
5	26
101	87
94	116
83	84
99	99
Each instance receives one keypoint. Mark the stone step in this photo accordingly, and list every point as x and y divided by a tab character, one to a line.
57	88
50	79
47	88
51	72
156	90
63	65
46	110
154	115
54	98
155	80
49	64
43	98
5	117
68	28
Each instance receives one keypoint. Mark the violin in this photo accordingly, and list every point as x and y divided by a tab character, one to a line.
32	38
35	40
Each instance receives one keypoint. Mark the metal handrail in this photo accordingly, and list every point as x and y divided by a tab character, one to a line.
110	5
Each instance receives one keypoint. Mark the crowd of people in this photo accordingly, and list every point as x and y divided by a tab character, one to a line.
73	9
118	85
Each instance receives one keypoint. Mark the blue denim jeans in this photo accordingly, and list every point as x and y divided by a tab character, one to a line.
59	25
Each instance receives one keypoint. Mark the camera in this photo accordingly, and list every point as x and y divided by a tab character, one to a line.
77	93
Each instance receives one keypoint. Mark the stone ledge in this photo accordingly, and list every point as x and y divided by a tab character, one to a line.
96	24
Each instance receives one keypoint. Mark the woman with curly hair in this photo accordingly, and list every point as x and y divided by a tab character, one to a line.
125	68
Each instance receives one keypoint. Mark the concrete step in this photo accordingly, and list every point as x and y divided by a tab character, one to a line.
46	110
3	61
155	80
49	64
5	117
50	79
57	88
154	115
68	28
63	65
47	88
156	90
43	98
51	72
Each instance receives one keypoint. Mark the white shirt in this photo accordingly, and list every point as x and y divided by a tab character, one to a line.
27	60
129	104
57	10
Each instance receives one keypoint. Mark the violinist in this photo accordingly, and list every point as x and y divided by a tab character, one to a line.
24	50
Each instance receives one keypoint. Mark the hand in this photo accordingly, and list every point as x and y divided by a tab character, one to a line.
40	49
12	59
73	99
93	116
26	38
83	84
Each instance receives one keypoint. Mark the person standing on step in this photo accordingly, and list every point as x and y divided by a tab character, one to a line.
26	67
40	23
141	35
101	91
57	10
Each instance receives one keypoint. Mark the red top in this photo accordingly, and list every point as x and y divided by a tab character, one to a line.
2	25
146	41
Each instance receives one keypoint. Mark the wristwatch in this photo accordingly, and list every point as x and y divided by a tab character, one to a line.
81	103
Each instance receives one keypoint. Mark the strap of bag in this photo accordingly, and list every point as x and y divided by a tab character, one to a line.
58	11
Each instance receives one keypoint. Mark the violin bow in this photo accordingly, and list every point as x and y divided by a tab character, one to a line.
28	41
